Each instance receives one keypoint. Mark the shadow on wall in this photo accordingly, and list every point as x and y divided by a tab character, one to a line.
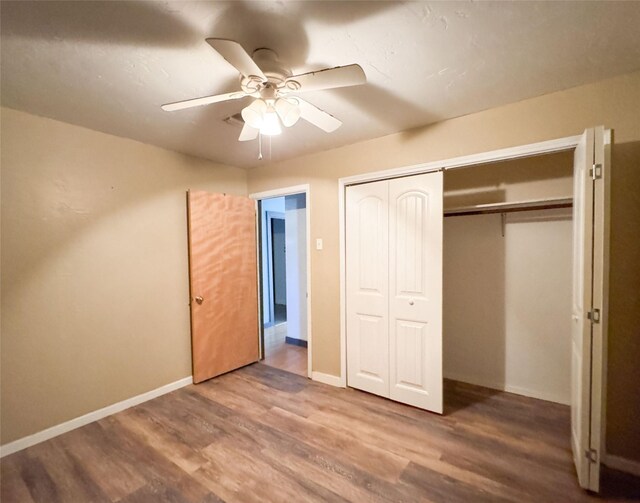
118	23
499	174
257	24
623	391
390	108
278	25
474	197
281	26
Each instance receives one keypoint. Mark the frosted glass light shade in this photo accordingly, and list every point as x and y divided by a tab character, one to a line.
254	114
270	124
288	111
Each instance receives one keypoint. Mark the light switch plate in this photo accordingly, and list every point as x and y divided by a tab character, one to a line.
319	244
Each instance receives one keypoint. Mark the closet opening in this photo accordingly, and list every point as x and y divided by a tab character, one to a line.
519	301
507	276
283	279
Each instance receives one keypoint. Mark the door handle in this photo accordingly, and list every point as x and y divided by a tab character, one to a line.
411	302
199	299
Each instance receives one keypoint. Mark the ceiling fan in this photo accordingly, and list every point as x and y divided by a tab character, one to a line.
271	84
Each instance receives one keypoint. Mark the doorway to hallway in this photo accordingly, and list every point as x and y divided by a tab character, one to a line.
283	274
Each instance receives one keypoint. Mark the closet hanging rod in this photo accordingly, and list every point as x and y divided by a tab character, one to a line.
482	209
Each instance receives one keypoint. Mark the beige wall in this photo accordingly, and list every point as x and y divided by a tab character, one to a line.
614	103
94	268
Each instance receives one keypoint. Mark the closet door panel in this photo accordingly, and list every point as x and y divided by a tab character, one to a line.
367	279
415	284
581	329
589	334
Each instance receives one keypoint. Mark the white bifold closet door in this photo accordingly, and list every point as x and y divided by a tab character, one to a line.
367	263
394	289
591	175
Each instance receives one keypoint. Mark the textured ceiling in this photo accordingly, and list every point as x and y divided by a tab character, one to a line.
110	65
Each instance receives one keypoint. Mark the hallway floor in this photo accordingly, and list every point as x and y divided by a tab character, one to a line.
281	355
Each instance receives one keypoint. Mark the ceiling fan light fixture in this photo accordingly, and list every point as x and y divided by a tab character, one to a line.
254	114
288	111
272	106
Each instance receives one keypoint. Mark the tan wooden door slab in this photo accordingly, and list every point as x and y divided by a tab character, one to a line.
223	283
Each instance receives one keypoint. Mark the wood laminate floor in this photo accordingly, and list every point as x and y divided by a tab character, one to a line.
279	354
261	434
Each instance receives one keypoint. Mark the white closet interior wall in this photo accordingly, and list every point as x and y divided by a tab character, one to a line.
507	300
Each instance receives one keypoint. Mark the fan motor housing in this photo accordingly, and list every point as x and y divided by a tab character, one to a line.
270	65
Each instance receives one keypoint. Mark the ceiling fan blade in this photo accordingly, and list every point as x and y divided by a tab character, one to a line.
239	58
248	133
206	100
340	76
317	117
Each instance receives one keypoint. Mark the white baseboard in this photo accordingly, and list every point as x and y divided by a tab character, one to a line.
327	379
550	397
622	464
59	429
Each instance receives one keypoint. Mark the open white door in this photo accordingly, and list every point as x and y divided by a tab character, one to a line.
590	255
415	290
367	231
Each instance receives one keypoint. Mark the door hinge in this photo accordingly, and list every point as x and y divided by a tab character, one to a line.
596	172
591	455
594	315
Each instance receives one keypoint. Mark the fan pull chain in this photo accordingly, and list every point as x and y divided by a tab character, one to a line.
259	146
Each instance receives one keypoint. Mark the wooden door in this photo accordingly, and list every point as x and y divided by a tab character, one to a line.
367	278
415	290
588	338
223	283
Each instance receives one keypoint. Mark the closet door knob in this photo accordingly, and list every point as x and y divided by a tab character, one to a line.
411	303
199	300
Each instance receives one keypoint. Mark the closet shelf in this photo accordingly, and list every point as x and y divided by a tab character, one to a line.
539	204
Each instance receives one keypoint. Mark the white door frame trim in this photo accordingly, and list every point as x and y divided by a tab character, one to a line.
290	191
545	147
